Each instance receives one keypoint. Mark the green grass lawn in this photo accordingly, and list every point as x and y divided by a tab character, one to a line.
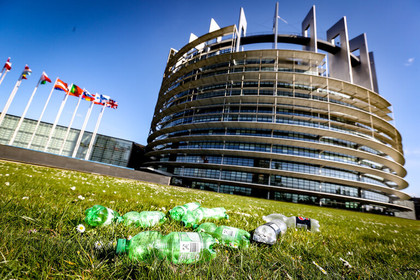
39	212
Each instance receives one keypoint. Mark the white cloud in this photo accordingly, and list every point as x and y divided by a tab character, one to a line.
409	62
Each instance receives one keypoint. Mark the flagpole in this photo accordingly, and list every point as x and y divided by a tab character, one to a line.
24	113
42	114
71	123
3	74
276	24
82	131
56	120
9	101
94	133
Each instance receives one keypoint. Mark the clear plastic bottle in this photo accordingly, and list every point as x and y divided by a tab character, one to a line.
228	236
193	218
185	247
144	219
296	222
179	211
140	247
99	215
268	232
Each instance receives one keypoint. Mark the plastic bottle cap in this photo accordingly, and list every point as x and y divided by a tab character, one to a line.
121	246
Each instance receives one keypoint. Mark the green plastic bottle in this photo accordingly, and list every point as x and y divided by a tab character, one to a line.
192	218
144	219
99	215
179	211
228	236
140	247
185	247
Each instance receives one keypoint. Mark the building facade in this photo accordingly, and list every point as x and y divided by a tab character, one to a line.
305	126
106	149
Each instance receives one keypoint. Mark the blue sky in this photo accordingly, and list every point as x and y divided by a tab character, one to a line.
119	48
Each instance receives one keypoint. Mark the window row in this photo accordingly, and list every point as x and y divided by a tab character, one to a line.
281	181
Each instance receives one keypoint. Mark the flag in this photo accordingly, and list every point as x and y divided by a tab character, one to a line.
45	79
112	104
7	65
26	72
75	91
101	99
60	85
88	96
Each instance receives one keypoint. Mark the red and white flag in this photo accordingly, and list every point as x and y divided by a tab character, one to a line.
7	65
45	79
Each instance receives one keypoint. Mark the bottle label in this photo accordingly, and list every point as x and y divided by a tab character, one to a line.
109	217
229	231
189	246
274	226
303	223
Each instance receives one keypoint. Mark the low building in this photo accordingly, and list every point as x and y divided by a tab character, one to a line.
106	149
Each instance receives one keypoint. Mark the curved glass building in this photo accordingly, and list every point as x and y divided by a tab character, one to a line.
306	125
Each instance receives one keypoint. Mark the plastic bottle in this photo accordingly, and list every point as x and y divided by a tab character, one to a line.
268	232
228	236
185	247
144	219
179	211
140	247
296	222
177	247
192	218
99	215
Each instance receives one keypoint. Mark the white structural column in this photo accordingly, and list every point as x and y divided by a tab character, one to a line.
213	27
71	123
242	26
24	114
92	140
56	121
42	114
82	131
9	101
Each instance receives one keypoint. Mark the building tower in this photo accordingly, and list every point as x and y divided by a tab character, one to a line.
306	126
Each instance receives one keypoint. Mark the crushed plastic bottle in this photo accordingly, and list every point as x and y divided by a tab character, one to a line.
179	211
296	222
268	232
144	219
192	218
140	247
177	247
99	215
228	236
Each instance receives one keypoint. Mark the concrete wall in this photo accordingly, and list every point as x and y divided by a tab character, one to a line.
408	214
45	159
